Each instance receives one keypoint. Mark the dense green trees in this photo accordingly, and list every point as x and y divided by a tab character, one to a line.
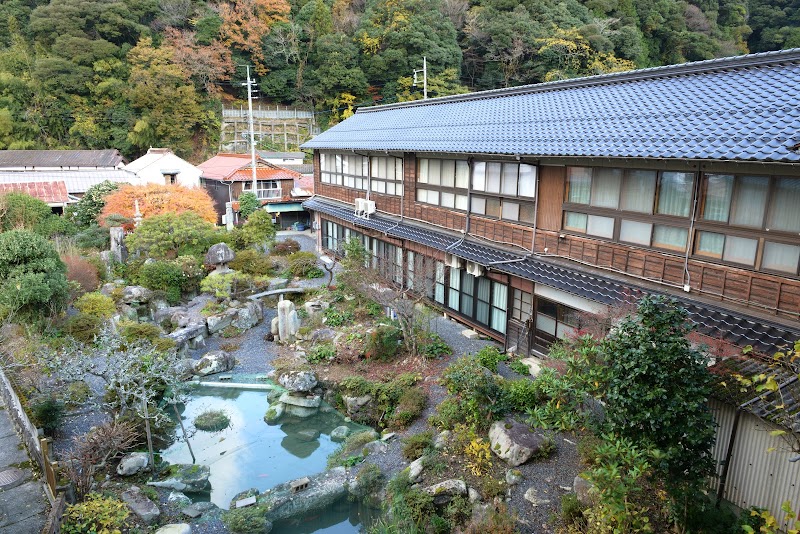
131	74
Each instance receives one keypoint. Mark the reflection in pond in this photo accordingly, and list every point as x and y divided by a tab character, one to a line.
251	454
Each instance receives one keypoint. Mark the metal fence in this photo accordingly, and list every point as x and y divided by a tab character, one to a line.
267	113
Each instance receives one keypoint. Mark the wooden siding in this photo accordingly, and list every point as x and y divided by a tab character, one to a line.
551	196
760	291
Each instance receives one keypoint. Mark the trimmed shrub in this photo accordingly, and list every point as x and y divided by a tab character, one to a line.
415	446
285	247
409	407
96	514
382	343
251	261
96	304
32	276
83	327
490	356
162	276
248	203
93	237
48	413
301	263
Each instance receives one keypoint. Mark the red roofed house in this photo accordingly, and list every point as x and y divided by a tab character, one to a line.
227	176
54	194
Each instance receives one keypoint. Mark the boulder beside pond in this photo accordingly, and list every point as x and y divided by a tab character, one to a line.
132	464
143	507
184	477
297	381
213	362
323	490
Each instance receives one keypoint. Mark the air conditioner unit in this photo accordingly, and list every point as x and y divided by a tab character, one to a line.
369	207
454	262
475	269
360	207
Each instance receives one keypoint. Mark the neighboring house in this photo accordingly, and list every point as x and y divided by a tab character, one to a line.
161	166
54	160
54	194
523	211
227	176
76	181
282	158
78	170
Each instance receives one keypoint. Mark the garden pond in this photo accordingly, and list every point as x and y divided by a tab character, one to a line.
252	454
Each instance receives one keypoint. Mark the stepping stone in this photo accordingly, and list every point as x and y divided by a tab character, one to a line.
249	501
470	334
192	512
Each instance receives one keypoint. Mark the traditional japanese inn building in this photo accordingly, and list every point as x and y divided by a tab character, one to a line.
518	211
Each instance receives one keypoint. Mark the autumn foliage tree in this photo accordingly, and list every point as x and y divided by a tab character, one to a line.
155	199
245	23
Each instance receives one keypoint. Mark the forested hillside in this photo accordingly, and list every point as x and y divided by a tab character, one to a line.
131	74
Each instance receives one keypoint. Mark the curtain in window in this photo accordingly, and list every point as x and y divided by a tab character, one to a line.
527	181
510	179
669	237
448	173
579	181
675	193
423	171
499	305
493	171
434	172
510	211
605	187
740	250
482	312
439	285
710	244
781	257
462	174
575	221
479	176
785	210
718	197
455	288
638	191
635	232
600	226
749	201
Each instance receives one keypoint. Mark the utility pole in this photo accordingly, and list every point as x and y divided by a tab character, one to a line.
250	83
424	71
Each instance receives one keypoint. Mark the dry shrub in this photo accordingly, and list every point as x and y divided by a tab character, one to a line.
83	273
91	452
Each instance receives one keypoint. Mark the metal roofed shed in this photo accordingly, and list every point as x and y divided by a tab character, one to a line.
702	110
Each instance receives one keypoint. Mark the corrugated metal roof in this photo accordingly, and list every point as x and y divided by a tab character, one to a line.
108	158
49	192
734	328
77	182
744	108
282	155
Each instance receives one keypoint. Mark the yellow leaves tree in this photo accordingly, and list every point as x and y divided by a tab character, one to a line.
245	23
155	199
567	54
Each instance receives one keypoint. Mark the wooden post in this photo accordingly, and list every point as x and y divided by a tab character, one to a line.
285	138
49	472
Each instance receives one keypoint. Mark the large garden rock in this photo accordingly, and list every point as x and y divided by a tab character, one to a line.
274	413
585	491
187	478
182	336
340	433
297	381
213	362
323	490
304	401
132	464
415	469
514	442
248	316
136	294
220	321
143	507
353	405
443	492
175	528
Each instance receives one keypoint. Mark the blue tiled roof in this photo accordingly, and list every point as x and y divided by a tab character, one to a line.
743	108
711	320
